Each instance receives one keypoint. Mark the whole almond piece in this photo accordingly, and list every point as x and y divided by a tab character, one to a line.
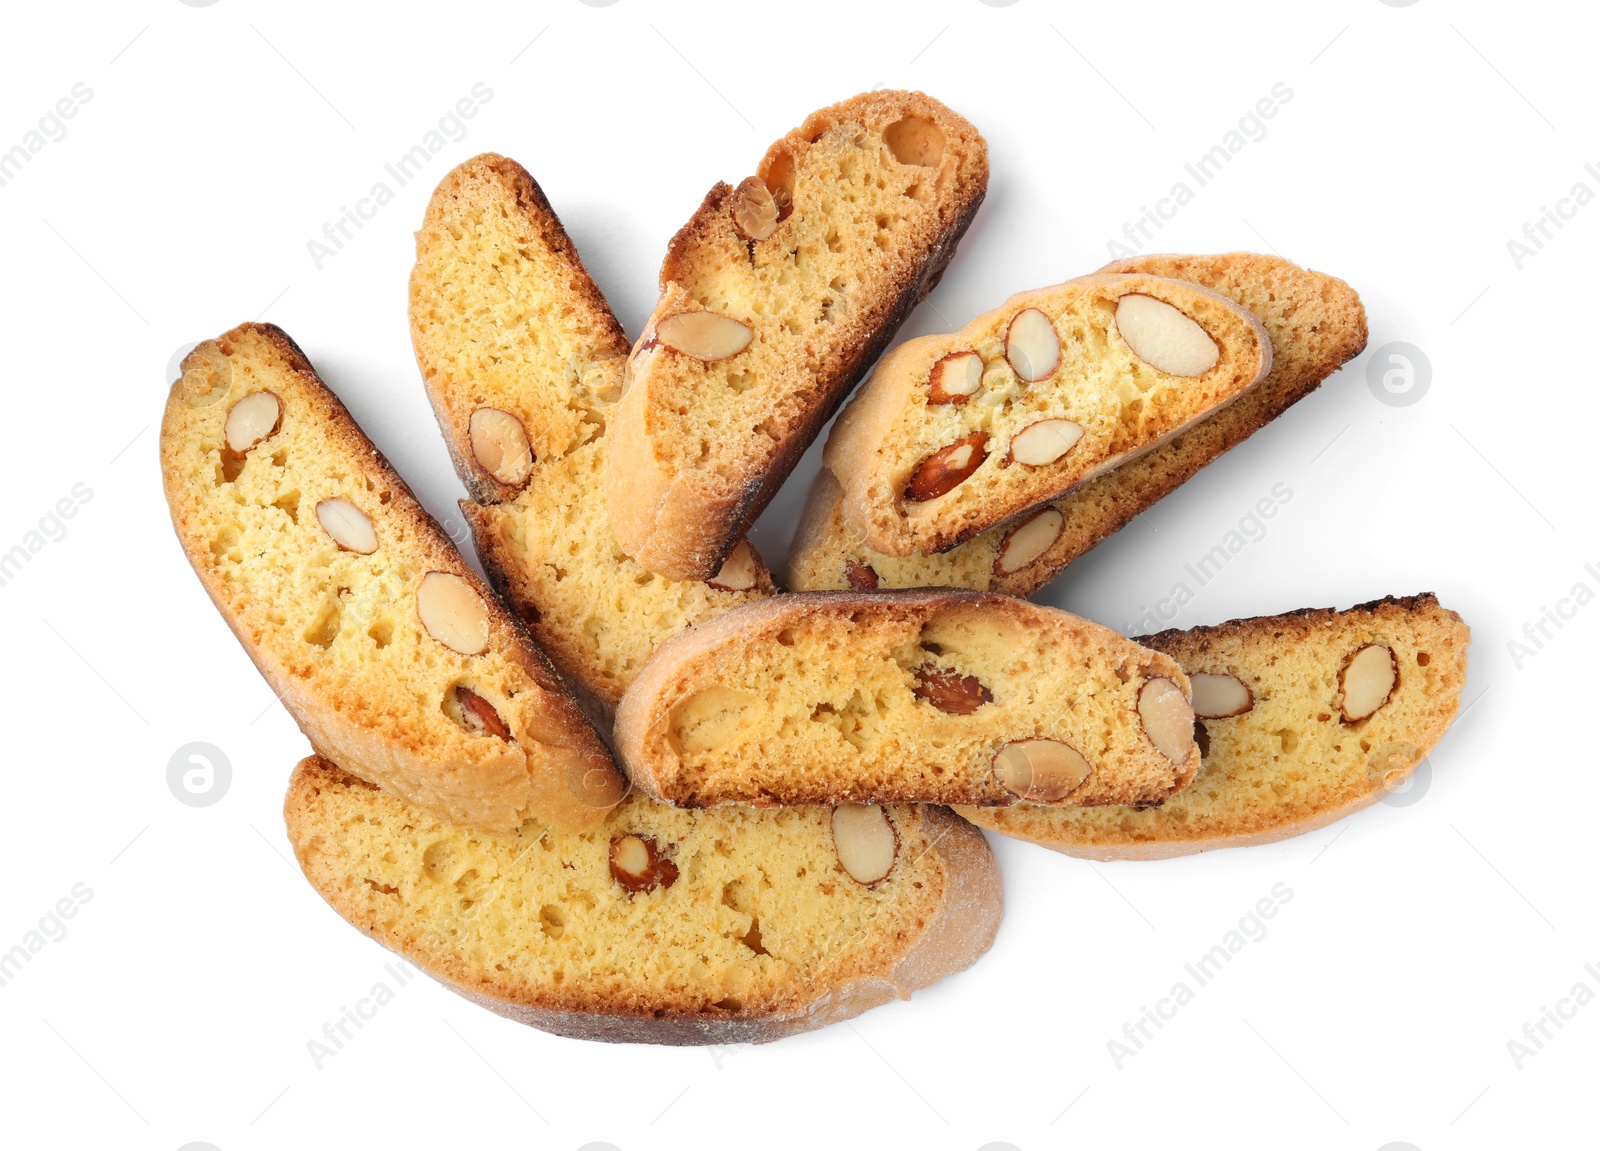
1164	337
255	418
706	336
347	525
1044	442
950	691
865	841
754	211
945	470
478	715
1032	347
955	378
453	613
1218	695
1167	718
501	445
1040	770
1029	540
738	571
860	577
1367	682
638	864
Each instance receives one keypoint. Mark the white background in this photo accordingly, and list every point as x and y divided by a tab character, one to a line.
1420	936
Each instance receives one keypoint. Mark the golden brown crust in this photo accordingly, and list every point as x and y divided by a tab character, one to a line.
505	316
677	508
953	893
1269	774
889	426
1316	324
360	711
847	724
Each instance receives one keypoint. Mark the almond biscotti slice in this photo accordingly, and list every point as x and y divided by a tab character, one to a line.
1316	323
1303	719
391	654
933	696
957	433
522	359
775	297
661	925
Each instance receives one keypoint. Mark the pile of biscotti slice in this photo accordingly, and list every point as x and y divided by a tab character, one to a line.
786	858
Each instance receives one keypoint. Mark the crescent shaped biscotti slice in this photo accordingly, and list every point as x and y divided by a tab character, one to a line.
775	297
1304	719
932	696
957	433
1316	324
661	925
522	359
395	659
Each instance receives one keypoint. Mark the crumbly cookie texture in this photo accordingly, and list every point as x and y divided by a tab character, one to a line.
915	696
396	660
1315	322
661	925
775	297
1302	719
956	433
522	359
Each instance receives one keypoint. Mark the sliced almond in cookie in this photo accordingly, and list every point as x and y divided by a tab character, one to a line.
501	445
738	572
945	470
347	525
453	613
1164	337
865	841
1045	442
755	212
479	715
1032	347
638	864
256	417
860	577
950	691
1167	718
704	335
1040	770
955	378
1029	540
1367	682
1218	695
